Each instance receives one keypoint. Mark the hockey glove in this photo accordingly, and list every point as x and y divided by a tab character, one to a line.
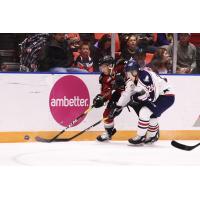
139	97
98	101
119	81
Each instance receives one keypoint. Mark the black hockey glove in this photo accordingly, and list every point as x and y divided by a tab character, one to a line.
139	97
115	112
98	101
119	81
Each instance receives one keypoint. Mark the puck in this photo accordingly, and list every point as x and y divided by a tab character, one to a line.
26	137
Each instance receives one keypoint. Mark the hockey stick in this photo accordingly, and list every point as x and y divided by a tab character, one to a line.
80	133
40	139
183	146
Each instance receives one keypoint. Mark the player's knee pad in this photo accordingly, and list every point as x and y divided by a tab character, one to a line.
145	113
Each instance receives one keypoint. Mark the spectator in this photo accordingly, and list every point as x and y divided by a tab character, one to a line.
128	46
30	51
186	54
101	49
56	55
162	40
73	41
84	61
161	62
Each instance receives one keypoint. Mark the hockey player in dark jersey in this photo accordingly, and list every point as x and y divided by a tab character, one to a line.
153	95
112	84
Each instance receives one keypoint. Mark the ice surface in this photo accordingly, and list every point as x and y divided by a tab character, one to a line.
113	153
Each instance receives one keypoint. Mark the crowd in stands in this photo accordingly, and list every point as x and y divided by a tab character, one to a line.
81	52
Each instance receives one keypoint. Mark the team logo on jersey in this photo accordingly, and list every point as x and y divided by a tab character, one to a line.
109	79
146	79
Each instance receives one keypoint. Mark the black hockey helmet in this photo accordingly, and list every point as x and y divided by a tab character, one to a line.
106	60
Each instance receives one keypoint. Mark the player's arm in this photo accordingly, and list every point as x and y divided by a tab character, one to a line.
126	94
140	95
104	95
124	99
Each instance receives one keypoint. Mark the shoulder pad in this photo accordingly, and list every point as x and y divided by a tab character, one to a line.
145	77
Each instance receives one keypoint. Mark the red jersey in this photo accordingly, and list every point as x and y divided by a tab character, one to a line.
108	83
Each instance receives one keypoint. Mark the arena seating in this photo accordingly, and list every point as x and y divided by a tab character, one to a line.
8	55
195	39
148	58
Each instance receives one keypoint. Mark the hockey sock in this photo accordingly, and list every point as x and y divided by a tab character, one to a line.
143	123
109	127
153	127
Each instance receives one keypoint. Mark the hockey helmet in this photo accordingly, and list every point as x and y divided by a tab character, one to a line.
132	65
107	60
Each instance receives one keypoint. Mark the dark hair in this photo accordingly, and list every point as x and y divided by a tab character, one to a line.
158	61
125	38
105	38
84	43
128	36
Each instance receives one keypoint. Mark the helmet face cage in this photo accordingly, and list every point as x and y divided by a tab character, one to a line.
106	68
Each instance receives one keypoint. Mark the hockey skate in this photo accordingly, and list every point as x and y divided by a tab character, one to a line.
137	140
107	135
151	140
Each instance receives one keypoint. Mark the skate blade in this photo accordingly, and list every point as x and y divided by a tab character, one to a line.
150	143
136	145
105	141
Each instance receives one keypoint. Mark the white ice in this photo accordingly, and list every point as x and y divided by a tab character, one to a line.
114	153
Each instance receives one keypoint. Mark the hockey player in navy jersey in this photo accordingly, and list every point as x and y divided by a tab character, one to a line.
153	96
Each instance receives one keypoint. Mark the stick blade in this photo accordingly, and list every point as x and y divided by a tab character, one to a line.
40	139
181	146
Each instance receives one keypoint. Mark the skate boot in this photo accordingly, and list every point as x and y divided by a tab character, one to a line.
150	140
107	135
137	140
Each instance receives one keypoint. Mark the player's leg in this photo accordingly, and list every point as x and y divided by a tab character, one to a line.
152	134
143	124
109	128
109	123
153	131
160	106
